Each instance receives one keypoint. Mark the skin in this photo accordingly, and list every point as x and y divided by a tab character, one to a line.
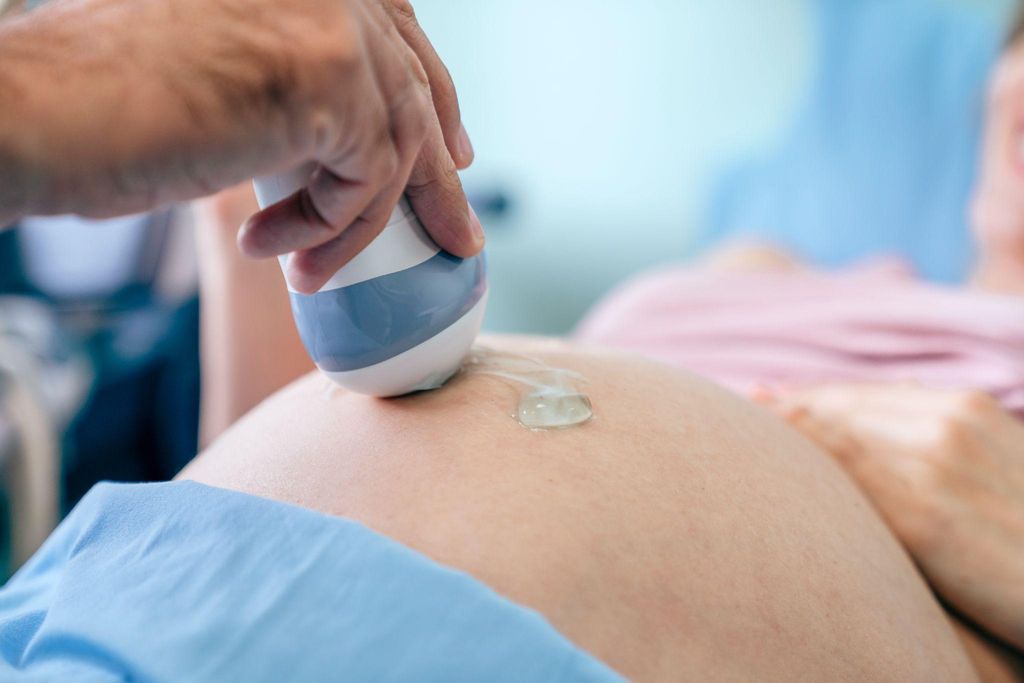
197	96
683	533
9	6
946	471
997	211
945	468
240	334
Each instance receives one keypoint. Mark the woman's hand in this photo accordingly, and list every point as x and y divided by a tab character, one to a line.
998	207
110	107
946	471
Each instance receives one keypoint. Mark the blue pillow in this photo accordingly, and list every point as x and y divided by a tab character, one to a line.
183	582
884	155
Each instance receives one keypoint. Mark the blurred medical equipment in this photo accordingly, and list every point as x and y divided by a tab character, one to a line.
399	317
122	294
43	381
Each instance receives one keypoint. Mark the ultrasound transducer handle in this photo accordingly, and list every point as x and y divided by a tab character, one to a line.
399	317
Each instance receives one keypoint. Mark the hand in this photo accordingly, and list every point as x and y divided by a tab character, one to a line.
946	471
111	107
998	206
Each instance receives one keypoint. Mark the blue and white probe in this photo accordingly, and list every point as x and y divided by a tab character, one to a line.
400	317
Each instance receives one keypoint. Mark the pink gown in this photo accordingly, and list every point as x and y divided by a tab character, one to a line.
798	328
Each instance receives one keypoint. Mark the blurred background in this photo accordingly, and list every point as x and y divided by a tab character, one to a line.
612	136
627	134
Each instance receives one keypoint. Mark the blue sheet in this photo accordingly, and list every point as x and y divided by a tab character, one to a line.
883	156
183	582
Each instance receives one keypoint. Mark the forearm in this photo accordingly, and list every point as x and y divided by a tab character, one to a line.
79	101
250	347
15	174
112	107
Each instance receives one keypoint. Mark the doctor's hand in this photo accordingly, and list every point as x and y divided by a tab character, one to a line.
946	472
114	106
998	207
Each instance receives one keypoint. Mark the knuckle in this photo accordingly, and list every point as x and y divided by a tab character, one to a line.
426	192
323	129
420	107
415	77
326	107
417	130
975	404
947	438
413	96
323	60
387	164
418	74
435	175
440	195
404	11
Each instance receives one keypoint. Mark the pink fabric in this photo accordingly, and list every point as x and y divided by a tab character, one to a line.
803	328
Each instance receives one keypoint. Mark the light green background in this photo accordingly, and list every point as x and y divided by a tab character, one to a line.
606	122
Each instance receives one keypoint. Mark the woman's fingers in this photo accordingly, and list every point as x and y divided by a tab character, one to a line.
887	471
895	403
903	443
832	436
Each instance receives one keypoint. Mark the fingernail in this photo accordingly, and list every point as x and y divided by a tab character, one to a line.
464	147
476	226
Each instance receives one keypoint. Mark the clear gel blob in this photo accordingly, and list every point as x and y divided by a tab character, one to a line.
330	390
554	411
552	399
